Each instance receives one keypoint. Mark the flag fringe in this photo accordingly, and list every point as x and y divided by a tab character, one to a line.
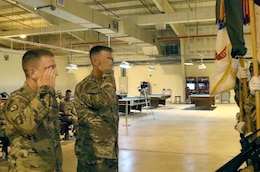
221	15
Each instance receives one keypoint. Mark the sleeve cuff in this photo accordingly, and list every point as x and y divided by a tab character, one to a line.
45	89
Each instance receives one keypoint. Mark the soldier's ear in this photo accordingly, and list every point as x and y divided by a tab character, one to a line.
95	62
32	73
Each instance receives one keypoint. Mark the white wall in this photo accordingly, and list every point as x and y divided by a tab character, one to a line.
77	76
11	73
164	77
62	80
12	76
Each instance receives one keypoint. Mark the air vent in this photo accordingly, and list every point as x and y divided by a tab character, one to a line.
172	50
115	25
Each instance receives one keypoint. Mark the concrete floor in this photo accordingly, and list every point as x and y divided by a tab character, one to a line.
180	139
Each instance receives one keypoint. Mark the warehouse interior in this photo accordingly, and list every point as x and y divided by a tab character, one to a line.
156	38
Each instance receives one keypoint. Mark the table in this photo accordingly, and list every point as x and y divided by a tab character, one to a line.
203	100
135	103
157	99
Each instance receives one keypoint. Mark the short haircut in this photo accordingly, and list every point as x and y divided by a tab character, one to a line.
97	49
32	57
68	91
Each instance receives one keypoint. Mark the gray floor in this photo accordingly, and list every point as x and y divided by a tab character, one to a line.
179	139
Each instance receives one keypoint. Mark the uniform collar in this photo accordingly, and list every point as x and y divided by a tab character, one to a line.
29	90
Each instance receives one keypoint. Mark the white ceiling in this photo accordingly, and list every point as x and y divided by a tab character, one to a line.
137	30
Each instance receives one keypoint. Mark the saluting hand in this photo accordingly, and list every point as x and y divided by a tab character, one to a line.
106	64
48	78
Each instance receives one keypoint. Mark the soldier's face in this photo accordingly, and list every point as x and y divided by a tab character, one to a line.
58	94
46	62
105	59
68	95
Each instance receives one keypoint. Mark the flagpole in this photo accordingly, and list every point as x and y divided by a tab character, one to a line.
255	61
242	96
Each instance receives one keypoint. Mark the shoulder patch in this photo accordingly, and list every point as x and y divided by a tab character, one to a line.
14	107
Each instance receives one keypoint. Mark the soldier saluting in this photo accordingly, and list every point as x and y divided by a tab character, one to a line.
32	120
96	103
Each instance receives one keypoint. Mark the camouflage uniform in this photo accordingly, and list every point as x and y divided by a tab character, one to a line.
68	116
32	126
68	107
250	111
2	125
3	138
68	111
58	102
248	105
237	90
97	139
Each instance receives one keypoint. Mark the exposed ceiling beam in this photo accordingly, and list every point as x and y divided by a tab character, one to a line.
164	6
43	45
82	15
66	27
73	12
202	15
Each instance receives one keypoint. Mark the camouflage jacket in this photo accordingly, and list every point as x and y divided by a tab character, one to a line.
250	111
237	89
32	126
97	107
2	121
68	107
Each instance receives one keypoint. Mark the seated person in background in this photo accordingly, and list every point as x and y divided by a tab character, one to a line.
3	138
68	113
58	97
187	93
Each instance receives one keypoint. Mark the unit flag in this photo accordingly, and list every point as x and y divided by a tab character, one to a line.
224	73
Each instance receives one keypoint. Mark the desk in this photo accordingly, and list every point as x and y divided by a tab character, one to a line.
135	103
157	99
203	100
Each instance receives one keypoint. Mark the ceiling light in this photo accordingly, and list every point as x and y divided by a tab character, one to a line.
150	68
188	62
72	67
202	66
125	65
23	36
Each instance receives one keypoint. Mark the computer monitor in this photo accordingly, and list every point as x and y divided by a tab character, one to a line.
201	85
191	86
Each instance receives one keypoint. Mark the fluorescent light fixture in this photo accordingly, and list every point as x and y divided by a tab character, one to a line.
150	68
202	66
23	36
72	67
188	62
125	65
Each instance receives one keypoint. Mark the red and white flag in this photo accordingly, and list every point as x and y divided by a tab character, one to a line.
224	73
